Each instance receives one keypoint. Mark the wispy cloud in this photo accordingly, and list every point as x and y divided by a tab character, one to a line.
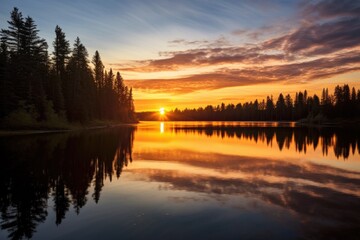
181	41
319	39
329	9
204	57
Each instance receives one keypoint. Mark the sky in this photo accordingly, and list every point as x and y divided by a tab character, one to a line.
192	53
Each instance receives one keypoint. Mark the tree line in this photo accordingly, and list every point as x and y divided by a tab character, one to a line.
36	86
344	103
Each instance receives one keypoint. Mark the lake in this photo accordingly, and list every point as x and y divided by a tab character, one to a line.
182	180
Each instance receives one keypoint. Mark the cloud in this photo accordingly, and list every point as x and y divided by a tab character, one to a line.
203	57
219	42
189	84
240	32
227	77
319	39
262	32
330	9
182	41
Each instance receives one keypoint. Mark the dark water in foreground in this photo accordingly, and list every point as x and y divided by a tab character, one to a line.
182	181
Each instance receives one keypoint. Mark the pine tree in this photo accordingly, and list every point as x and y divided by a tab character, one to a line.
99	83
270	108
131	108
61	52
28	64
80	88
11	39
98	70
13	35
280	108
120	95
289	107
119	87
35	52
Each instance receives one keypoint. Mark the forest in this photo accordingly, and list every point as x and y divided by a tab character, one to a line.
343	104
53	90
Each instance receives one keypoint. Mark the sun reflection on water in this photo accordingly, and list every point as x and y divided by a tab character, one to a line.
162	127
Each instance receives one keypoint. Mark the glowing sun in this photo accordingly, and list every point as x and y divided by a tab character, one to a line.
162	111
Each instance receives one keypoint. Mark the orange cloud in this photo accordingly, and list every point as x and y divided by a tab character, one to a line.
225	77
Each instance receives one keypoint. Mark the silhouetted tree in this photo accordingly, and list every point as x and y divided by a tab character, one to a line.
61	52
289	107
270	108
58	81
280	108
80	87
32	85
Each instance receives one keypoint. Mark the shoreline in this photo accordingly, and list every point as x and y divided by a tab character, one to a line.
351	123
73	128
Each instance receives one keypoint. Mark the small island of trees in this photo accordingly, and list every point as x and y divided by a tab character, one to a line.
38	89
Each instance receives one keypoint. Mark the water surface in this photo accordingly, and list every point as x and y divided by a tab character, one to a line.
182	180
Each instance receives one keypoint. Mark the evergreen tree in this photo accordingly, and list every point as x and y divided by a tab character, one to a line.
270	108
131	108
121	97
14	34
98	70
99	83
28	62
353	95
315	108
35	67
61	52
289	107
79	85
12	55
57	80
280	108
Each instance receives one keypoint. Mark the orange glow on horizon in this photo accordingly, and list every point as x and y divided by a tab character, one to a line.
146	100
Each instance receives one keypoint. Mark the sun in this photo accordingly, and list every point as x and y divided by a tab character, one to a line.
162	111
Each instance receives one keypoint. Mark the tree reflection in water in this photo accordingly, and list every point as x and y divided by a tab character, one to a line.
344	141
64	166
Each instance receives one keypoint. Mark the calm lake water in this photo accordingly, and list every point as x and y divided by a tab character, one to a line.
193	180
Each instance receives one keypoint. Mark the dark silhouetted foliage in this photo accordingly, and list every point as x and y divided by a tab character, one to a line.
40	88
